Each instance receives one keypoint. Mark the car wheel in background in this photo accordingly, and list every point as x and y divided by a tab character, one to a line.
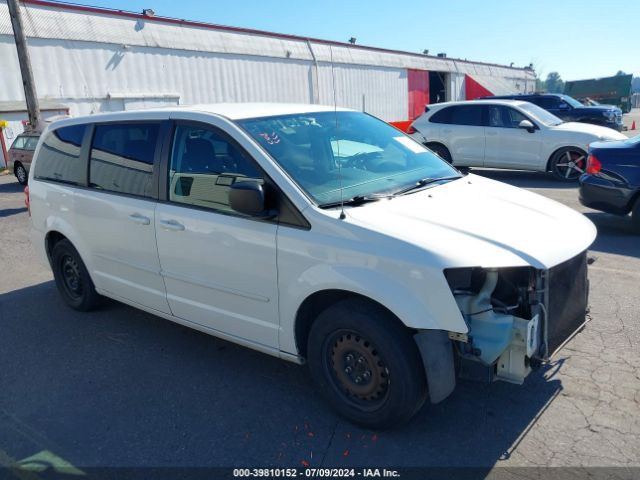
21	174
635	216
568	163
366	364
440	150
72	278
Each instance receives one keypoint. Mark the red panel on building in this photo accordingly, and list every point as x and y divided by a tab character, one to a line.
418	92
473	89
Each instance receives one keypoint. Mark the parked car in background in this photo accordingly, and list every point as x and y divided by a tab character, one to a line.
508	134
21	154
612	181
571	110
314	234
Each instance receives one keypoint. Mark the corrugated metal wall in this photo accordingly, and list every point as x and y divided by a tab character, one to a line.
101	62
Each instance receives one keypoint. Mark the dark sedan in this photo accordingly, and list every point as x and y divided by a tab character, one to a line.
612	180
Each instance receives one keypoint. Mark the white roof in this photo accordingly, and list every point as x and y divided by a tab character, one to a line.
232	111
516	103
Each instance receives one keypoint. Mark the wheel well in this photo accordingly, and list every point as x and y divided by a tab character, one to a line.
559	150
316	303
51	240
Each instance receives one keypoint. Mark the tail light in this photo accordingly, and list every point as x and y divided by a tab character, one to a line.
593	165
27	202
411	130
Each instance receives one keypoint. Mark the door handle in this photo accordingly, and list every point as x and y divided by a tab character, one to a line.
139	219
172	225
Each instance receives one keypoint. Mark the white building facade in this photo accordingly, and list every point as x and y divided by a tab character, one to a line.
93	60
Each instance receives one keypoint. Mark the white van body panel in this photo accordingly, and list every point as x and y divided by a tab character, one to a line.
392	251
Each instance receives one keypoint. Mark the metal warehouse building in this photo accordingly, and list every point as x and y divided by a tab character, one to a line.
87	60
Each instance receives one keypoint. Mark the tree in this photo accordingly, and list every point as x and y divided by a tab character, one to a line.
620	73
635	85
554	83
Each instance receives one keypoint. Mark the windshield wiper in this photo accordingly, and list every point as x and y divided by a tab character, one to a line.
423	182
355	201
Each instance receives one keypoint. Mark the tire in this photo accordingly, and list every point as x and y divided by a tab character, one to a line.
568	163
385	384
440	150
635	216
21	174
72	278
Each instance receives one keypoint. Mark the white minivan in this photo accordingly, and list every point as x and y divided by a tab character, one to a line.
315	234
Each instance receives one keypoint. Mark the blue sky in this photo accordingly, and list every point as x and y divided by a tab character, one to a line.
578	38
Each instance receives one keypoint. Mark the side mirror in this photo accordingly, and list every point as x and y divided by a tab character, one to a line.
527	125
248	197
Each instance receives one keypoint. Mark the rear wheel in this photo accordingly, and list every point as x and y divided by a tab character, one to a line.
635	216
366	364
72	278
440	150
21	174
568	164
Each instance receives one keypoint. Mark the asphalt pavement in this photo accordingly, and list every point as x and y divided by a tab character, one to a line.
121	388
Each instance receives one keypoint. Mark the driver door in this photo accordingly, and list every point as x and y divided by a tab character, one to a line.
218	265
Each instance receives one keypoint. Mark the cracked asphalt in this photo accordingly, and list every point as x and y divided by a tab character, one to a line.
122	388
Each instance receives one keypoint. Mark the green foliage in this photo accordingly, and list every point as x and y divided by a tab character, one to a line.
554	83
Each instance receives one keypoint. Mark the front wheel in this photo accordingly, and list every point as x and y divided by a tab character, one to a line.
366	364
568	164
21	174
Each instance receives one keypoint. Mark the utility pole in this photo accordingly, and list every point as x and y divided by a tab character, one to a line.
30	94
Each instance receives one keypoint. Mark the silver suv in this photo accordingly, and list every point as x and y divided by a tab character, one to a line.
20	155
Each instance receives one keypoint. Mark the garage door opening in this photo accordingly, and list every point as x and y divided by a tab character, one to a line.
437	87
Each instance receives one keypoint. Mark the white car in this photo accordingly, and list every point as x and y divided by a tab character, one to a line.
318	236
508	134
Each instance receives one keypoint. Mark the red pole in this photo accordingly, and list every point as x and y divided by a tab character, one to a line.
5	154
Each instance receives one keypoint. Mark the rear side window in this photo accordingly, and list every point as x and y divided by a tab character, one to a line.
442	116
122	156
59	156
18	143
467	115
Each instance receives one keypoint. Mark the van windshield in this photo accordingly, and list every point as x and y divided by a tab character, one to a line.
324	152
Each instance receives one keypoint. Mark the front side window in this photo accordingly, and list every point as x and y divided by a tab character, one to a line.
59	156
30	143
504	117
204	165
122	158
329	152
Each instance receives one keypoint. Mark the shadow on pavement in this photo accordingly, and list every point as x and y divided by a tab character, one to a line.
615	234
11	187
119	387
7	212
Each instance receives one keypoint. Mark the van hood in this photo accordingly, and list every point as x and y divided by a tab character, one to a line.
475	221
601	133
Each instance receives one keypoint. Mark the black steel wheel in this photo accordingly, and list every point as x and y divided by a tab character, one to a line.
72	278
366	364
21	174
568	164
